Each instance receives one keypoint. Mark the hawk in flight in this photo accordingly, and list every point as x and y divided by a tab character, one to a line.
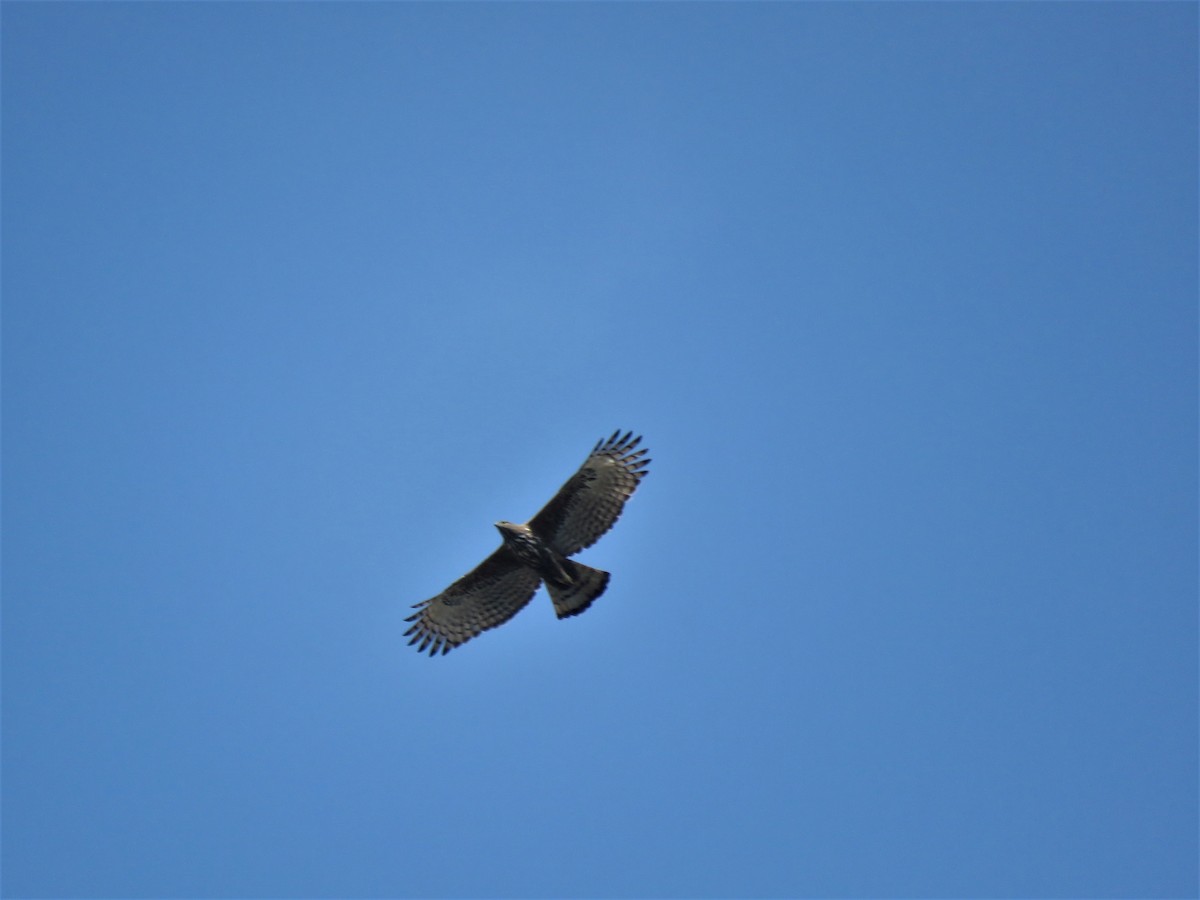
494	591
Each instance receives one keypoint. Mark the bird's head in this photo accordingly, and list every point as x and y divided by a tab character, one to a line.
505	527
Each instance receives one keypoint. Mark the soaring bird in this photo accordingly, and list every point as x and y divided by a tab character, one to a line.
499	587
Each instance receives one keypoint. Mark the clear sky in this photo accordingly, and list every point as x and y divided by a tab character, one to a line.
298	299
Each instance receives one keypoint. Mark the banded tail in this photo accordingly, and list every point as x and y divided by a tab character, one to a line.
585	586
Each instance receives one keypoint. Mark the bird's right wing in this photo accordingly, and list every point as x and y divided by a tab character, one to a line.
489	595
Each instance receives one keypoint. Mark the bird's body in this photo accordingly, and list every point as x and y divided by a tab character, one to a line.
497	589
532	551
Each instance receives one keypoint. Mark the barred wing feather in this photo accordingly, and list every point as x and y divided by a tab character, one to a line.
489	595
592	499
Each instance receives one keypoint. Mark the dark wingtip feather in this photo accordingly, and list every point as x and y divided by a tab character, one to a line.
618	443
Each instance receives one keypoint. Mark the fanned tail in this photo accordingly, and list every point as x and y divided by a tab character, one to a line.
586	585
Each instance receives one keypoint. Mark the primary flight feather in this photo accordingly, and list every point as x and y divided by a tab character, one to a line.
494	591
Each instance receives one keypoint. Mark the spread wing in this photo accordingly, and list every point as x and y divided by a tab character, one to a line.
489	595
591	501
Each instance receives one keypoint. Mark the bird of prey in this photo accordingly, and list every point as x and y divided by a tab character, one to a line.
496	590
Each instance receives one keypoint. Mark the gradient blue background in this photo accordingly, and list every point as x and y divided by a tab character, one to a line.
300	298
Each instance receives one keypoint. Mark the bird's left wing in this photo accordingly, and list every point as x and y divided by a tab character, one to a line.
489	595
592	499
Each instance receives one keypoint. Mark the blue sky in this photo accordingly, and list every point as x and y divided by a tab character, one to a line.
298	299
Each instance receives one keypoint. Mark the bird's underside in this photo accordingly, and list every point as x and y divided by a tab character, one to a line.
498	588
